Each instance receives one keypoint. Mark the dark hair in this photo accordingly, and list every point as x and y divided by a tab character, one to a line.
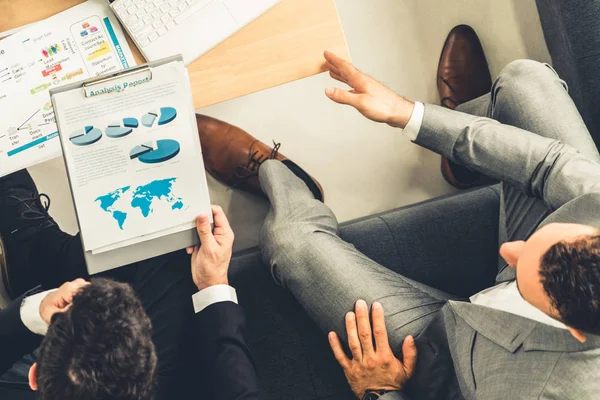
100	348
570	275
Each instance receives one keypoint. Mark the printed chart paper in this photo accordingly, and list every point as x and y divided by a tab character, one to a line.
133	157
82	42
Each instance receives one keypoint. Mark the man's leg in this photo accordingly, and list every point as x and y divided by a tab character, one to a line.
300	243
531	96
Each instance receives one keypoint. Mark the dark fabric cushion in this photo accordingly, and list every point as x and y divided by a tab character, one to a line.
455	236
293	357
572	32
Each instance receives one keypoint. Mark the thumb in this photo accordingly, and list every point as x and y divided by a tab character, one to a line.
204	230
409	355
342	96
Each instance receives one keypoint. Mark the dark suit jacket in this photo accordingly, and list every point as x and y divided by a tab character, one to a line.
222	353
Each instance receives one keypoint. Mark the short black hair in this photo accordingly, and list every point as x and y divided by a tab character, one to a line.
99	349
570	275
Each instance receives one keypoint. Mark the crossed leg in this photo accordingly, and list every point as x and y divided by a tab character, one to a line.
300	239
300	243
531	96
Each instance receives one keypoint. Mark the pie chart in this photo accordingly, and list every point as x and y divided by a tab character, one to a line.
166	115
118	130
155	152
85	136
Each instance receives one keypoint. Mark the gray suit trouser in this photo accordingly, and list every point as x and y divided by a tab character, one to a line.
300	239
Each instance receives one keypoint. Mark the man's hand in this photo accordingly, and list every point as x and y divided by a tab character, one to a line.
369	96
372	367
210	260
60	300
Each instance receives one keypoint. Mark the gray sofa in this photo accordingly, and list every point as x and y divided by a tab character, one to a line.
292	355
572	31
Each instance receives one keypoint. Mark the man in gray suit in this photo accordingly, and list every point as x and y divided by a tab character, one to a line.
536	333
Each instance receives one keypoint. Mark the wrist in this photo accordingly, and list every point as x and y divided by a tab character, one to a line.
403	110
201	285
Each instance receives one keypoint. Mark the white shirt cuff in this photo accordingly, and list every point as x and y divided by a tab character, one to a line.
413	127
212	295
30	313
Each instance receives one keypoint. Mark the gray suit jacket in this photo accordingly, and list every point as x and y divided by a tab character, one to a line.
498	355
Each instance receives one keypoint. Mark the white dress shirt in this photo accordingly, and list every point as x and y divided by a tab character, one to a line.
505	296
30	308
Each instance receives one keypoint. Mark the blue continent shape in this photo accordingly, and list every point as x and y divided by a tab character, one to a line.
107	202
143	196
120	216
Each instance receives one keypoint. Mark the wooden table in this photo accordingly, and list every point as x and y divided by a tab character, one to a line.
284	45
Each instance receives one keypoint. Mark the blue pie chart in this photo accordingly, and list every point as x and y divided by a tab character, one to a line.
165	150
85	136
166	115
117	131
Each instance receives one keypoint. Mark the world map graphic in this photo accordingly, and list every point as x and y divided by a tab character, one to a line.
121	202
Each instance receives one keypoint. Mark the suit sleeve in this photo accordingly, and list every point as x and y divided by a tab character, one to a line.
223	354
15	339
542	168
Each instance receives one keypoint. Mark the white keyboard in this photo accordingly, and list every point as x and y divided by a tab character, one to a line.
148	20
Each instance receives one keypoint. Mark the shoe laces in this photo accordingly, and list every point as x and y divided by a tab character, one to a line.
250	169
446	100
32	211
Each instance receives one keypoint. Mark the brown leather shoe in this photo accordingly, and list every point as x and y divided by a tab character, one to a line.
233	156
463	75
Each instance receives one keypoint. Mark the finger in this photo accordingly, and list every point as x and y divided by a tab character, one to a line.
189	250
80	282
409	355
220	218
204	230
338	77
353	341
332	68
69	289
343	96
338	351
344	67
379	329
65	308
364	327
222	226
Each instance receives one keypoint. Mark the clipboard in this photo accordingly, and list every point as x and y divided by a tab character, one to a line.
101	262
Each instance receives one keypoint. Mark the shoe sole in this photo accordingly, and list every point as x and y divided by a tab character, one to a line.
449	176
262	194
5	297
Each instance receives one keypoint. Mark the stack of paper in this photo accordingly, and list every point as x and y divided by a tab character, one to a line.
84	41
133	156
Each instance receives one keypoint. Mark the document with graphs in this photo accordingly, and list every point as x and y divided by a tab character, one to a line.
84	41
132	152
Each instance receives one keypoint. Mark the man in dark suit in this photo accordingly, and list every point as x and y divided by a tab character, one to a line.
127	337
